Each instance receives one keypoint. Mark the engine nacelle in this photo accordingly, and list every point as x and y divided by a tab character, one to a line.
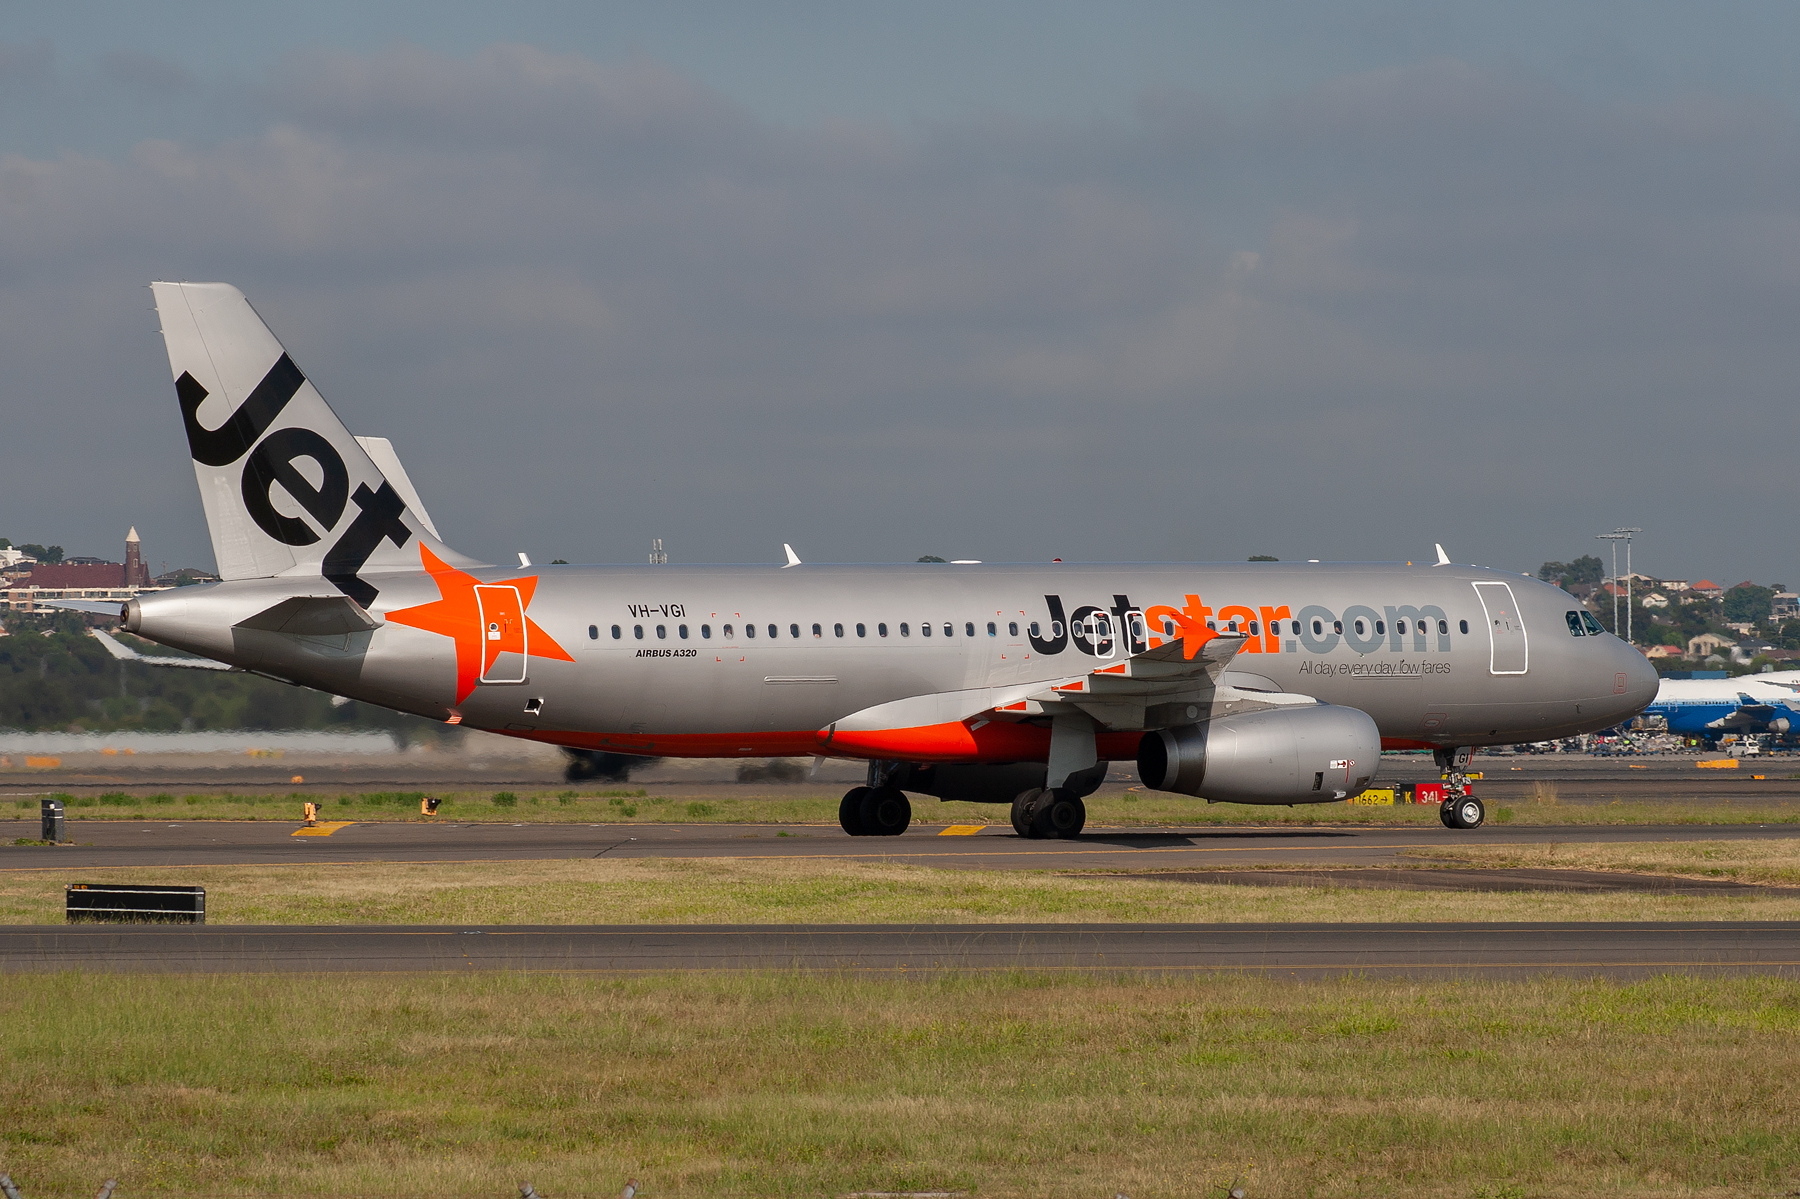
1285	756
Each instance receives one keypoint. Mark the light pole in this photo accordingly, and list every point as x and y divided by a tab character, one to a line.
1615	538
1627	533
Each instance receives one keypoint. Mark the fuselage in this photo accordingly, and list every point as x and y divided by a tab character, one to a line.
727	661
1710	707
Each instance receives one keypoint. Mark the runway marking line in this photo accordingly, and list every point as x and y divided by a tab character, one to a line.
962	830
323	829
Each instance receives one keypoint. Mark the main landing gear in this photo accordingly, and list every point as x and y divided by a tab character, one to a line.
1462	811
875	812
1040	813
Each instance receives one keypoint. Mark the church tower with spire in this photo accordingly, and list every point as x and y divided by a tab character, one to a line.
136	573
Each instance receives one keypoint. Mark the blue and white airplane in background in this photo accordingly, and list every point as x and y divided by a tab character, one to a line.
1747	705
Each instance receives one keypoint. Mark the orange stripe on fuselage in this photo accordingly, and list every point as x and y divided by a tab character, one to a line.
995	741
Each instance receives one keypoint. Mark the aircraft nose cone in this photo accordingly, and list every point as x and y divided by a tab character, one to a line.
1641	680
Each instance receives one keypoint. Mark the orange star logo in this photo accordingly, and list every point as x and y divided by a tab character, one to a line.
1189	622
458	616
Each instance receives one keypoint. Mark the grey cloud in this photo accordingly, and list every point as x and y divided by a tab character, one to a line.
146	74
594	304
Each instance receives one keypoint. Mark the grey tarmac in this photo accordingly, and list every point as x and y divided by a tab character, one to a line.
1610	950
102	843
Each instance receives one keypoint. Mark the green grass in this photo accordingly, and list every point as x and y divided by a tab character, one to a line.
753	890
798	805
999	1085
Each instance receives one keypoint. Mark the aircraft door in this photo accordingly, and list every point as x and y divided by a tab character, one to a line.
503	647
1509	651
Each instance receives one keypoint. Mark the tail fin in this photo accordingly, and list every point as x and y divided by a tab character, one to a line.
287	489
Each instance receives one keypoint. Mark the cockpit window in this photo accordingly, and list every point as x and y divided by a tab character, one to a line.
1574	619
1594	626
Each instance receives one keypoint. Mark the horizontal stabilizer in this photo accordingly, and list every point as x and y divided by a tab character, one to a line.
93	606
312	616
125	653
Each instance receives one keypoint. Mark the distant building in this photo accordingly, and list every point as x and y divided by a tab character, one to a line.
1709	589
1663	651
1674	584
1742	627
1786	605
1656	600
12	557
1708	643
81	578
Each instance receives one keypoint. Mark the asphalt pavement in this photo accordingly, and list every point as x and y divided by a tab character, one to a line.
220	842
1292	950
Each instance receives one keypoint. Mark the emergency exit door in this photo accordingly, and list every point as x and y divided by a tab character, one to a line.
503	648
1508	650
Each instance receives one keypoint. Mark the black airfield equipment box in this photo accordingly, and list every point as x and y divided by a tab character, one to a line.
134	903
52	812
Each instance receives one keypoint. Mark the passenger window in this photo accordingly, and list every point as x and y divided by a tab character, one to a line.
838	629
1359	628
1380	627
904	631
794	630
1574	622
662	632
1318	628
593	632
1444	628
992	631
726	633
637	630
681	631
1012	628
1213	625
881	630
1168	627
1337	626
862	631
1399	627
950	629
925	628
1594	627
1463	625
774	632
1034	628
1253	631
615	632
749	630
1296	628
819	632
1056	628
969	629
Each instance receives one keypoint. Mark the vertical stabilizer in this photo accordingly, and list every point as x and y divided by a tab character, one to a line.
287	489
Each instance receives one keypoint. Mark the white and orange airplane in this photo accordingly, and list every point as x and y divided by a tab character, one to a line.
1263	683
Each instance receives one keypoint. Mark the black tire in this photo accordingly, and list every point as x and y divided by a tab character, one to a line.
885	812
1023	805
1447	814
1058	813
850	811
1469	812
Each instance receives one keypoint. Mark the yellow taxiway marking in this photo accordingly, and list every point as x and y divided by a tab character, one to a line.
962	830
324	828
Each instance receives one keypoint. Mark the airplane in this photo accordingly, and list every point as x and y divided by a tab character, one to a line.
1749	704
1259	683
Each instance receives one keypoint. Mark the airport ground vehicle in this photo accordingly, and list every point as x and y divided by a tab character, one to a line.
1272	683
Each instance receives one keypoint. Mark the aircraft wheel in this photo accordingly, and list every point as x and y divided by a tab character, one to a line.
1447	814
850	811
1469	812
1059	813
1023	806
885	812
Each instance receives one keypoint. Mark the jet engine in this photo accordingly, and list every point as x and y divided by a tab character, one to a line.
1285	756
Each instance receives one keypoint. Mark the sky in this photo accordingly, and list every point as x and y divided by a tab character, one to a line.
1122	282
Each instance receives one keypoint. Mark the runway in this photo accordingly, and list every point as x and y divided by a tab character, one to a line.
1618	951
211	843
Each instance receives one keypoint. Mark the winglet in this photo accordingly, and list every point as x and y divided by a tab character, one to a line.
793	559
1443	558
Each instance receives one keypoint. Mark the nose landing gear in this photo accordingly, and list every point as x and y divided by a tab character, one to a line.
1462	811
